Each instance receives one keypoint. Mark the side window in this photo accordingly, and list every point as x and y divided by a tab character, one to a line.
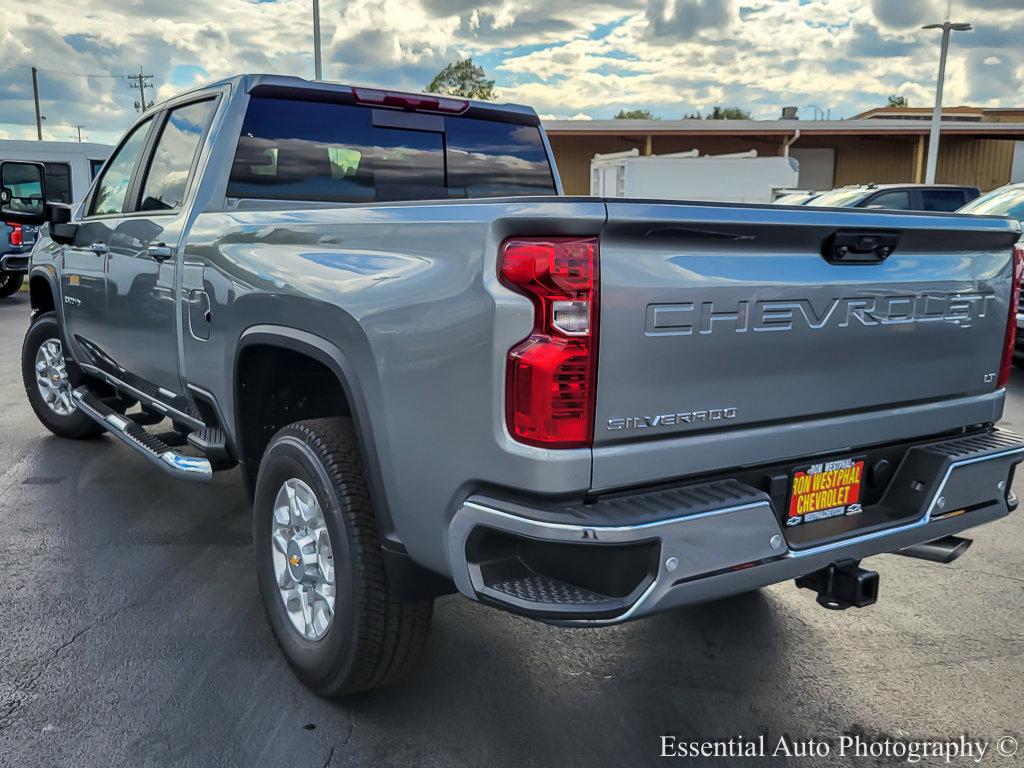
942	199
113	184
94	168
896	200
58	182
164	188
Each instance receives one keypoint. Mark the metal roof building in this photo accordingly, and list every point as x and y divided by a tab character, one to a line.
983	149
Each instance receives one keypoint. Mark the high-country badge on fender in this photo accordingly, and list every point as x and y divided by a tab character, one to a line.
824	490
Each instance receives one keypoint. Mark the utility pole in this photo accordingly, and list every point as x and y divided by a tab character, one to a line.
35	95
933	134
318	71
141	82
79	133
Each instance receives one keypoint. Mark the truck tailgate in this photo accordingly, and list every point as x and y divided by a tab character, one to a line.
720	317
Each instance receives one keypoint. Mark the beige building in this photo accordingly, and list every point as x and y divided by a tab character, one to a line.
979	147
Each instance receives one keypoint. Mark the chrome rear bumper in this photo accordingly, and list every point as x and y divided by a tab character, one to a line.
706	541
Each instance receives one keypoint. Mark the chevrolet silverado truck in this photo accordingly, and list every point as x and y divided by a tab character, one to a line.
437	373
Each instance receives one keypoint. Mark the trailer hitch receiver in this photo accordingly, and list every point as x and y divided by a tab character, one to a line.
842	585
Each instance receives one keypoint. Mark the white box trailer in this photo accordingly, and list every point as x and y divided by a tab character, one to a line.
742	177
70	165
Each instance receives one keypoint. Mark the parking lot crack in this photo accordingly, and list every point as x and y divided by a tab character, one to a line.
342	744
25	687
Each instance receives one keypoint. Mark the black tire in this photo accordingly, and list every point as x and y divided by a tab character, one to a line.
75	425
375	636
10	283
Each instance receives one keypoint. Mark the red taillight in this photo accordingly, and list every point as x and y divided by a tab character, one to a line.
427	103
551	375
1011	321
17	235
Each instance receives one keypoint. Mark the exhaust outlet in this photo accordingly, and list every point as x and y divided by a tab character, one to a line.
842	585
944	550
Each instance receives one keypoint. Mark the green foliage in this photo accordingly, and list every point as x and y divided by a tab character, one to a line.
719	113
635	114
898	101
465	79
729	113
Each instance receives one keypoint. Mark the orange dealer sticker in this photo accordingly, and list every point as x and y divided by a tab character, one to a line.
824	490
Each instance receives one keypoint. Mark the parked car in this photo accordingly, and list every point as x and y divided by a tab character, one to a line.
1004	201
70	168
16	242
379	306
796	197
899	197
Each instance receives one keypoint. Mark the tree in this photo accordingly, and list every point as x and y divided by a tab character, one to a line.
635	114
463	78
719	113
898	101
729	113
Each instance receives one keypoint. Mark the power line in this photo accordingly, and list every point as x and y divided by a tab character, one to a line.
67	74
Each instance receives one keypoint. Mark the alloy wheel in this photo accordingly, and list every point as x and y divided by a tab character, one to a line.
52	377
303	559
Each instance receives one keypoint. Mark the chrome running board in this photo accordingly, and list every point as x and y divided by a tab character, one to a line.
135	437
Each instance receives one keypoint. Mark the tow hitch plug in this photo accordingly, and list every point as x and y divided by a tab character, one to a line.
842	585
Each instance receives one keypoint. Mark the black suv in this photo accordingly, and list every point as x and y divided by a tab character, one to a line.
900	197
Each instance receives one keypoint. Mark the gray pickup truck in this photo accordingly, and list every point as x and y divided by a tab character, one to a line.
436	373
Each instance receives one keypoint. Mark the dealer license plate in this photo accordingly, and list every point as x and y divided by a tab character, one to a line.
825	490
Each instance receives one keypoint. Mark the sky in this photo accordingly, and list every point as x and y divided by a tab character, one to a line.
566	58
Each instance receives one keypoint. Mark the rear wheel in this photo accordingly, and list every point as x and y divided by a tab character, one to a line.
321	573
10	283
49	379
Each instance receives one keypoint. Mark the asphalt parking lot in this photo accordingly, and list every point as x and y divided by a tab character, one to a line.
131	633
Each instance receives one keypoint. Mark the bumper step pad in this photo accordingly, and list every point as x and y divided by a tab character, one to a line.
710	540
547	590
141	441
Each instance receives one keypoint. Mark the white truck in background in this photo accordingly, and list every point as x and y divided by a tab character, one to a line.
741	177
70	167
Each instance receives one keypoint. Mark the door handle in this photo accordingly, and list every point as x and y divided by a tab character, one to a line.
160	252
100	249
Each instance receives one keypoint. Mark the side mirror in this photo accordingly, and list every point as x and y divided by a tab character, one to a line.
22	193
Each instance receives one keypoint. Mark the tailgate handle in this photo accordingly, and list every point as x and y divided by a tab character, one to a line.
849	246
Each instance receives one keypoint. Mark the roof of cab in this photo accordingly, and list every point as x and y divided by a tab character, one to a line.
249	82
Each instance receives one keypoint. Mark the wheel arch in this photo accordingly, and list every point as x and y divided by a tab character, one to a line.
295	341
43	293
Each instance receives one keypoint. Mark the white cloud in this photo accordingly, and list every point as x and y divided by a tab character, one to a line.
573	57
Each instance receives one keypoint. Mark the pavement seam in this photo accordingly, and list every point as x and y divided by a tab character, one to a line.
26	686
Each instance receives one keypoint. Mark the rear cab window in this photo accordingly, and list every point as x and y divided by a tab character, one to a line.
942	199
330	152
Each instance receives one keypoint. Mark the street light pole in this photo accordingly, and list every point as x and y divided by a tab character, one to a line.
318	72
35	96
933	135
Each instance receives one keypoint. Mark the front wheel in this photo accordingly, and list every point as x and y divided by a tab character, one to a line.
49	378
10	283
321	572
